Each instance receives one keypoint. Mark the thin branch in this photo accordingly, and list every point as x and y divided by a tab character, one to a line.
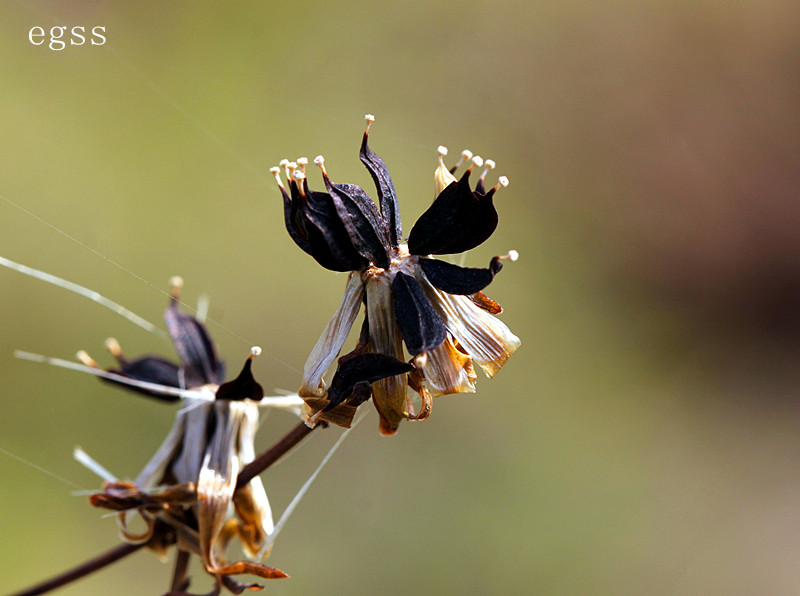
273	454
179	580
90	566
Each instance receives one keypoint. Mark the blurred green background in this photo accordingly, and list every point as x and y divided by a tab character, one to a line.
643	439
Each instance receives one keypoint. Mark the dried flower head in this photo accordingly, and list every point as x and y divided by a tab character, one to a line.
187	494
436	308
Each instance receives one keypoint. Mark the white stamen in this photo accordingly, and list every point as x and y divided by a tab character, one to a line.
112	345
274	170
176	282
369	118
502	181
298	175
284	163
302	162
489	165
319	160
92	465
441	150
255	351
466	155
477	161
83	357
512	256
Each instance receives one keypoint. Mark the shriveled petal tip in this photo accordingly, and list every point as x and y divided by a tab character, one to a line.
482	335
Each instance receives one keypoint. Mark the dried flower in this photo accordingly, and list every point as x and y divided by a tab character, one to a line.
187	493
436	308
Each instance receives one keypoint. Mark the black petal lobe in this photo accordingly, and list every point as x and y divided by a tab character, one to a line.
458	220
288	216
354	369
459	280
149	369
365	226
420	325
242	387
194	348
316	219
386	193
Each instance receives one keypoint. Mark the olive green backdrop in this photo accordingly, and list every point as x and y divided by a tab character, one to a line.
643	439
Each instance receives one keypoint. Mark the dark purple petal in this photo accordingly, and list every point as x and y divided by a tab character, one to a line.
194	347
366	227
386	193
149	369
315	218
459	280
420	325
355	369
242	387
289	214
458	220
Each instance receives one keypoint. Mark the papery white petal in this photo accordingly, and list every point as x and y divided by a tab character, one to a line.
251	501
442	178
448	370
154	470
217	479
482	335
389	394
187	465
330	342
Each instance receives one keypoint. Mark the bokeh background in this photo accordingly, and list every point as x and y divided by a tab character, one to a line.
644	438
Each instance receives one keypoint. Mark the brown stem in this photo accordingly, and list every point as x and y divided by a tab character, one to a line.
273	454
179	582
90	566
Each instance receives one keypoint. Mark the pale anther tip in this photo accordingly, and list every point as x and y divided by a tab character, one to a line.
466	154
441	150
176	281
503	181
298	175
513	255
274	170
477	161
302	161
319	160
283	163
112	345
489	163
255	351
369	117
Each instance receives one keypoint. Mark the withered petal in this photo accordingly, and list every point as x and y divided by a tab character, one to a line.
458	220
289	214
327	235
366	227
242	387
354	369
387	195
420	325
194	347
459	280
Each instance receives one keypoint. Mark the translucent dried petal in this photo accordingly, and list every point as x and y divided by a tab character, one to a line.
483	336
333	337
448	370
389	394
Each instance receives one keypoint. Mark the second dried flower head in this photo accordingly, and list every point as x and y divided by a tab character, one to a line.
437	309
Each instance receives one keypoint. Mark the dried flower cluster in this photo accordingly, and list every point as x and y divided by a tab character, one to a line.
436	308
192	493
